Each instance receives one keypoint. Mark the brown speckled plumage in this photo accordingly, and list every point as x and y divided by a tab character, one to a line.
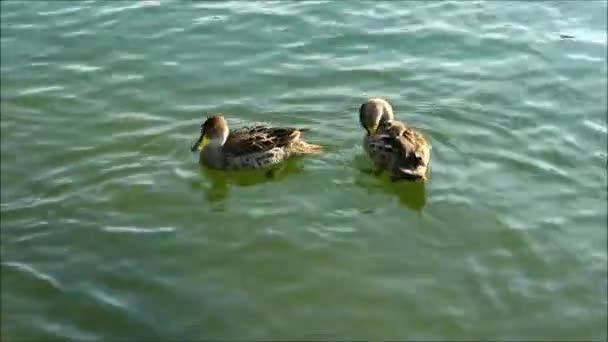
392	145
250	147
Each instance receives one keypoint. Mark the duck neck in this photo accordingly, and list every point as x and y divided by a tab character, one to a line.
212	155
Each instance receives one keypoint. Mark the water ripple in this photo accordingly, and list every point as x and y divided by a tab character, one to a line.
31	271
84	68
138	230
67	10
40	90
95	137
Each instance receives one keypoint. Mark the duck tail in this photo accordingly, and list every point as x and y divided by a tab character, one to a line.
410	174
303	147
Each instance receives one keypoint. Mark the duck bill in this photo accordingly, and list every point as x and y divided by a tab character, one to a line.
199	144
371	131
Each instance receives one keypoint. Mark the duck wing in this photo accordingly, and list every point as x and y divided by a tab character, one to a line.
258	139
410	148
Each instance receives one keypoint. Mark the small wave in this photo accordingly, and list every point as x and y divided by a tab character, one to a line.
34	272
127	77
67	10
596	126
78	33
40	90
107	299
80	68
139	116
32	236
23	26
108	23
135	5
585	58
126	56
184	174
137	230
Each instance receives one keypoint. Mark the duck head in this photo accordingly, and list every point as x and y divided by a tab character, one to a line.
373	112
214	132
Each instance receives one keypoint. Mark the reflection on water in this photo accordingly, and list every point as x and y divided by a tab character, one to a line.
412	194
220	180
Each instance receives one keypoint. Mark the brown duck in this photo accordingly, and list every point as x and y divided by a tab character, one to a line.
392	145
256	147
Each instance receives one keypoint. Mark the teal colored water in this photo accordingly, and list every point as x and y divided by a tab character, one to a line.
110	229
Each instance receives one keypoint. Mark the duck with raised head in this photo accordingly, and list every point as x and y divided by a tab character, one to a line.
256	147
392	145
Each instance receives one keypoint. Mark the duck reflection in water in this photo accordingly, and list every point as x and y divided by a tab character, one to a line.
411	193
220	180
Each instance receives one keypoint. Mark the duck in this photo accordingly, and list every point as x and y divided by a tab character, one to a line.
255	147
392	145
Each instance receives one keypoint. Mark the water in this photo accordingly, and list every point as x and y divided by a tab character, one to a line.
111	231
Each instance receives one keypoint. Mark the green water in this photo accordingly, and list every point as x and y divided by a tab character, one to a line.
111	231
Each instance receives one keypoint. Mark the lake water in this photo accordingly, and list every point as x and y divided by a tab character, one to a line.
110	229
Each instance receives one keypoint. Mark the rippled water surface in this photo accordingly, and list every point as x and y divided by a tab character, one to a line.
111	231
